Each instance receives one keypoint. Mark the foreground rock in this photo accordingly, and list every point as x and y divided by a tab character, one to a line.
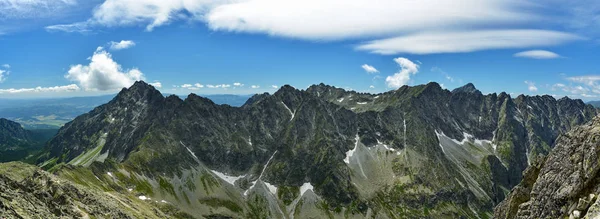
565	184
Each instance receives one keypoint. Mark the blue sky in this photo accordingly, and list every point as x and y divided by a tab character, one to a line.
57	48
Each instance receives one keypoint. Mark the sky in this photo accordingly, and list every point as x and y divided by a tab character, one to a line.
63	48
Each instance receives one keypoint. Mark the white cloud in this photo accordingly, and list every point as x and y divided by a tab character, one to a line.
578	90
156	84
67	88
466	41
218	86
186	85
124	44
3	74
274	86
419	27
238	84
369	69
371	87
446	75
26	9
588	95
586	79
537	54
7	66
402	77
79	27
304	18
103	73
254	86
198	85
334	19
531	86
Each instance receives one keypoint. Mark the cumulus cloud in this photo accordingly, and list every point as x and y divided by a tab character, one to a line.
274	86
124	44
254	86
7	66
537	54
407	68
67	88
238	84
466	41
198	85
103	73
156	84
531	86
371	87
369	69
186	85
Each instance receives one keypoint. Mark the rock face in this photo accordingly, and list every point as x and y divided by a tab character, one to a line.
565	184
29	192
320	151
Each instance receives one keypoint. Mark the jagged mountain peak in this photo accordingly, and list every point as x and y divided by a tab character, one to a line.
140	90
467	88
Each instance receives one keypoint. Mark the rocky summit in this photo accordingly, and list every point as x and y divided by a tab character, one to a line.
319	152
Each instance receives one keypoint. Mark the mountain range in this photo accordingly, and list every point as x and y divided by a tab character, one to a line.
319	151
415	152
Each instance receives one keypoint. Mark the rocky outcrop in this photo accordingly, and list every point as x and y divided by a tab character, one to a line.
565	184
29	192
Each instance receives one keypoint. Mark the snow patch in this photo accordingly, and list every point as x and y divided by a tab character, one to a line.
351	152
292	113
110	174
250	188
229	179
376	97
361	103
130	189
188	149
385	146
272	188
340	100
143	197
305	187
